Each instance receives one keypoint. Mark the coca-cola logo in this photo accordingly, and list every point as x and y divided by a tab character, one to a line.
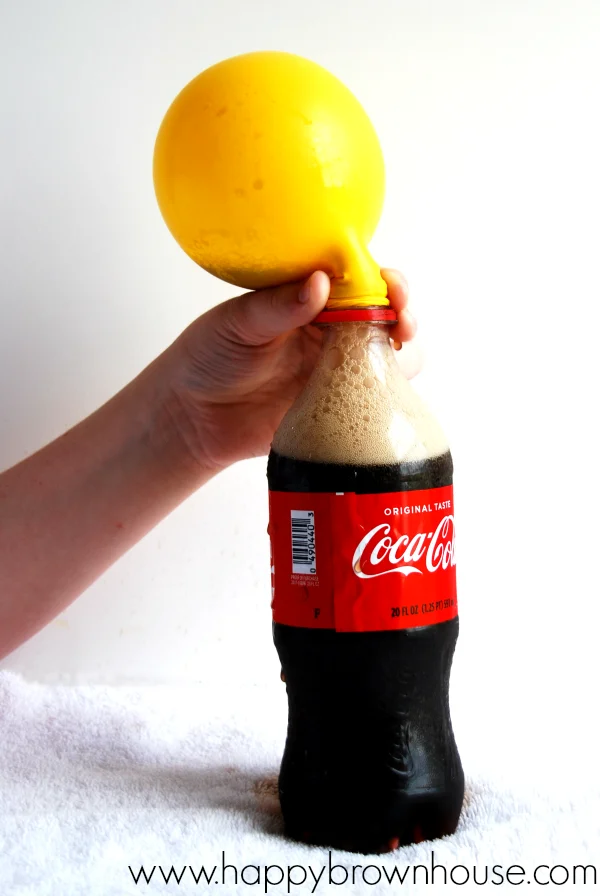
378	554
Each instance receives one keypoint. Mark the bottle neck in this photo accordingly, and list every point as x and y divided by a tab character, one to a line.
359	345
357	407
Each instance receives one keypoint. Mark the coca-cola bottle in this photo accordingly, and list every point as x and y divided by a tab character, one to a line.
364	599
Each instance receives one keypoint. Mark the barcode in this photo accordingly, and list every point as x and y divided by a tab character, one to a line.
304	558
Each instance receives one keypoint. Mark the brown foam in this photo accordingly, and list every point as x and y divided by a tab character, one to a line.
357	407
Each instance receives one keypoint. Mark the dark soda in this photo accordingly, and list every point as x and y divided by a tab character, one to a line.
370	760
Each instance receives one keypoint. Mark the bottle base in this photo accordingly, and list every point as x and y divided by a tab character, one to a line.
417	818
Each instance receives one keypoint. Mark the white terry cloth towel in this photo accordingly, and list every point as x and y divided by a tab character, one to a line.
96	782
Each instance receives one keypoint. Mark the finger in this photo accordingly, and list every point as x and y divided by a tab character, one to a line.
259	317
398	295
404	330
411	359
397	285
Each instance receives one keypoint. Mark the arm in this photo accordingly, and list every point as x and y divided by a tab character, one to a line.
214	397
70	510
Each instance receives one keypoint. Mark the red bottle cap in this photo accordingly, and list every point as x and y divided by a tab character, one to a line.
356	314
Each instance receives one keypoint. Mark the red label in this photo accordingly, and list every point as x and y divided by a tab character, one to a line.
362	563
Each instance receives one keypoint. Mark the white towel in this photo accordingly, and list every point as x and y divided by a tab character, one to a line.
95	781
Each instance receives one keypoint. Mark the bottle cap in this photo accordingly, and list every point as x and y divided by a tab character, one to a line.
385	315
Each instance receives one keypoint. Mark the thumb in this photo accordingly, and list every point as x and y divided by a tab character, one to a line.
259	317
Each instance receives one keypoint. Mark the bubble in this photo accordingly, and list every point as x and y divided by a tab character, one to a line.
334	357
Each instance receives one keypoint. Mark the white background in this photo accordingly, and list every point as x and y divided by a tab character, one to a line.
488	115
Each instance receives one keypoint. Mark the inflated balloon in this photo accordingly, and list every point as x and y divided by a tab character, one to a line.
266	168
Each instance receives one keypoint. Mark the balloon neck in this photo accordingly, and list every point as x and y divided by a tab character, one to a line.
369	301
356	281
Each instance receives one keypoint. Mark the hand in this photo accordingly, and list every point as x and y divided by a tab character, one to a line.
215	396
243	363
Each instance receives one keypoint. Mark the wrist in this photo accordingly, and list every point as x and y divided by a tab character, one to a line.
177	419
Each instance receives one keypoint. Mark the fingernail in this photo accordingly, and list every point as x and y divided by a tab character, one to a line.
397	345
304	294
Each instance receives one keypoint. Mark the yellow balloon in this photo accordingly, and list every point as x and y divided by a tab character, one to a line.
266	168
